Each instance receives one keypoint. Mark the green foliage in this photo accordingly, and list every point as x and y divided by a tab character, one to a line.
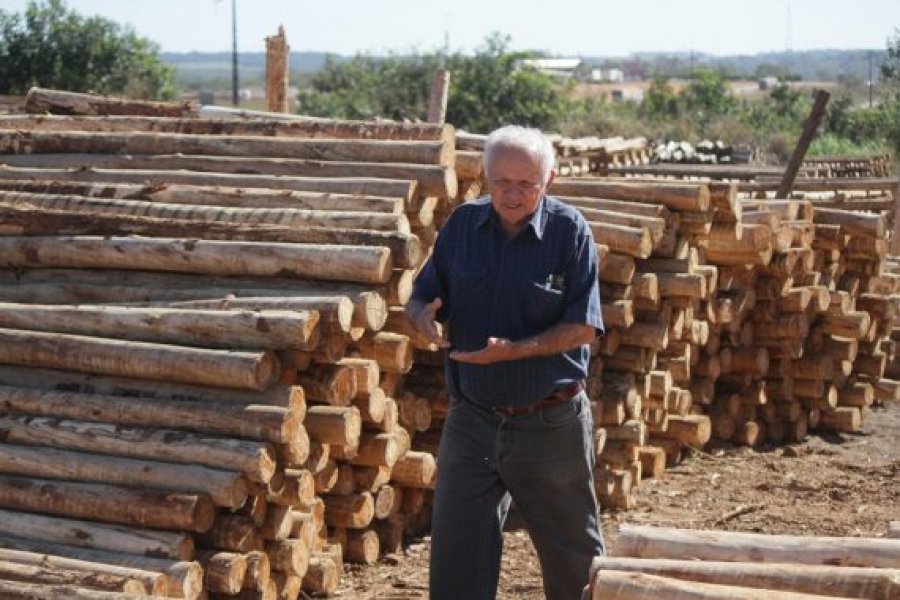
707	96
52	46
890	68
831	144
486	90
661	101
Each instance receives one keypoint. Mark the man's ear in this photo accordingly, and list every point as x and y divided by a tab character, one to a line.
550	179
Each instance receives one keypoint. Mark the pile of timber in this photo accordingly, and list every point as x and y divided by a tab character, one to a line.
203	340
865	165
652	562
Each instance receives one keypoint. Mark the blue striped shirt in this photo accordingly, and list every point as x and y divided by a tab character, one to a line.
494	286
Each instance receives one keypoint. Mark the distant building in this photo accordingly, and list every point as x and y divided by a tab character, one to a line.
627	94
560	68
767	83
600	75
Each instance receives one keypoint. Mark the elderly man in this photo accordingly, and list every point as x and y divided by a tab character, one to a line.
515	275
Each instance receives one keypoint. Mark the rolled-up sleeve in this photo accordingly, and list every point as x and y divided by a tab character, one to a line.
582	293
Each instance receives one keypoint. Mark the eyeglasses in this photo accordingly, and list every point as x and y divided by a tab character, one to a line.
521	186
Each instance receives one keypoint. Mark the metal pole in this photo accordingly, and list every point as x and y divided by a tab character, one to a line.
234	55
871	81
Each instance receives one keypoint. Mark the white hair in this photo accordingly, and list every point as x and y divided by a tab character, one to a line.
526	139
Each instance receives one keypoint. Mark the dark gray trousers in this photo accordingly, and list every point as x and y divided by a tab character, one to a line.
544	463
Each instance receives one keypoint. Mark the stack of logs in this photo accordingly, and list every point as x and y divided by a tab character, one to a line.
207	363
203	347
651	562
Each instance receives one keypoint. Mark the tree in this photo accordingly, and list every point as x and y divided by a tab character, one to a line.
661	101
890	68
486	90
52	46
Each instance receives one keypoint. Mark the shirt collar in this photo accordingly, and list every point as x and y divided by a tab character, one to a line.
537	222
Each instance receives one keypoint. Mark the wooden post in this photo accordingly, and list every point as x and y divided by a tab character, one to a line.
809	129
277	57
437	102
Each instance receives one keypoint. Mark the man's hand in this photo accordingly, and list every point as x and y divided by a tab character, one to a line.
497	350
424	323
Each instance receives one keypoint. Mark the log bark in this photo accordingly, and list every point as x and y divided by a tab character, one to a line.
107	503
658	542
14	590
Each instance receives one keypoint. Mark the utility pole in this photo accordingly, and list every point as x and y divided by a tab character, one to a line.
871	82
235	100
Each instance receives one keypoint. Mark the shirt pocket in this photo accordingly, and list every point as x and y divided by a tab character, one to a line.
543	305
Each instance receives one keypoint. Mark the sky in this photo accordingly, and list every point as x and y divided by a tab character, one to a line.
560	27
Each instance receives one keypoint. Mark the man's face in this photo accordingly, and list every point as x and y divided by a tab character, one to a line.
515	185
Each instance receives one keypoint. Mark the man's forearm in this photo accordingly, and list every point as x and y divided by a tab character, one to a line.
556	340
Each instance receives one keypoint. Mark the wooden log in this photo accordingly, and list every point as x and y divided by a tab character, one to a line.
259	571
37	591
231	124
675	196
267	423
183	579
392	351
41	100
620	585
152	581
107	503
203	216
139	142
288	556
232	532
659	542
353	511
334	425
227	489
223	572
367	186
244	370
692	430
322	577
211	195
207	328
415	469
331	384
48	576
362	264
406	248
847	419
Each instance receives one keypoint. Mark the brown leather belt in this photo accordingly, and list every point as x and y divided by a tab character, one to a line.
561	395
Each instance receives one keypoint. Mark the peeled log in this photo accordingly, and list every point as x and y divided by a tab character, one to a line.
220	368
227	489
15	590
253	458
107	503
618	585
850	582
86	534
231	329
210	195
48	576
266	423
151	580
151	143
676	196
659	542
364	264
366	186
